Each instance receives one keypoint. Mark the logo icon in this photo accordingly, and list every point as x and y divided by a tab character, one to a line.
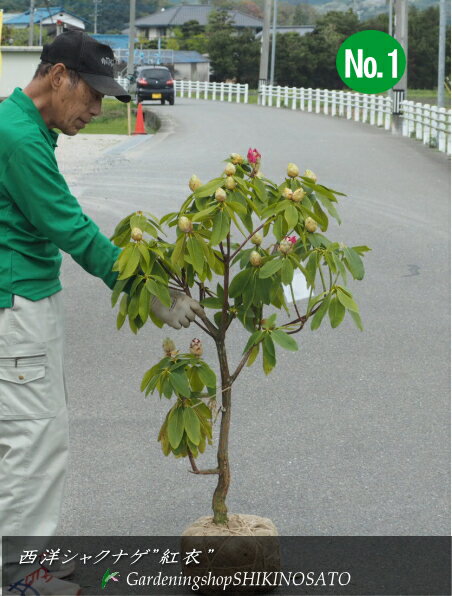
108	576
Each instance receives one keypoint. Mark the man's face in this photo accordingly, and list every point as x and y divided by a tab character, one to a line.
75	106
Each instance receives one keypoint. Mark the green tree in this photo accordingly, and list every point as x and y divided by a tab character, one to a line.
281	228
305	14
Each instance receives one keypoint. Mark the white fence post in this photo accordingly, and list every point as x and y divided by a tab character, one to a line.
189	89
349	106
302	99
197	89
294	98
221	91
206	90
418	120
356	103
365	112
427	124
309	99
333	102
380	110
317	101
229	92
278	96
246	93
442	129
326	95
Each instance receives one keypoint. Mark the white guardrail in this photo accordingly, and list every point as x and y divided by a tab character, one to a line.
215	91
427	123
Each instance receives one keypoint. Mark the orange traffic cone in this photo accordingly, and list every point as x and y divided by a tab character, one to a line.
139	123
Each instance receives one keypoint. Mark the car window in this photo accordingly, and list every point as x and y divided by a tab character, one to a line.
156	73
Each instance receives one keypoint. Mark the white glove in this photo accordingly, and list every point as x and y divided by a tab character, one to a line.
181	313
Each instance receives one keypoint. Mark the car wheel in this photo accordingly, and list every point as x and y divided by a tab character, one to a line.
162	102
138	99
171	100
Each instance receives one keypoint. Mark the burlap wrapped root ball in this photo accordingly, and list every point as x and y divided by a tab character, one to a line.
248	543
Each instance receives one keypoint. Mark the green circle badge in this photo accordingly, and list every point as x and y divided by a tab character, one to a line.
370	61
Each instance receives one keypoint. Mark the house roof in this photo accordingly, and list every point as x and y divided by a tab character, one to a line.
178	15
40	14
115	41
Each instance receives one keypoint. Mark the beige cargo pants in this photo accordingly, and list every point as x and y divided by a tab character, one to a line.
33	417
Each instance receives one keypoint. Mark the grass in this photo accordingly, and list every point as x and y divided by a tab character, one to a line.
112	121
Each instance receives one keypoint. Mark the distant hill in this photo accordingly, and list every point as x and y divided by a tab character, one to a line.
114	14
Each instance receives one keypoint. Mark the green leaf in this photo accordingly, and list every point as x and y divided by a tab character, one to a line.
212	302
175	427
346	299
357	319
132	263
336	312
318	317
291	215
269	358
253	339
118	288
311	269
253	355
278	229
207	375
270	268
196	382
177	256
329	207
361	249
209	188
221	225
239	282
286	272
354	263
144	302
144	251
192	426
179	381
204	214
284	340
260	189
322	218
160	291
196	253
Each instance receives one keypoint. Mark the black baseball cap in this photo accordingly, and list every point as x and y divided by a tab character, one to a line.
92	60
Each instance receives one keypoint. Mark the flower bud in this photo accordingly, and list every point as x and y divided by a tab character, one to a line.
168	346
310	174
285	246
229	170
298	195
287	193
230	183
196	347
194	183
185	225
236	158
220	195
255	259
137	234
310	224
256	239
292	170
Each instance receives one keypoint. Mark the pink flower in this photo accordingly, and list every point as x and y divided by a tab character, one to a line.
253	155
291	239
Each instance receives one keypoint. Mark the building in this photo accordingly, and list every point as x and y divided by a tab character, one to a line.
53	19
160	23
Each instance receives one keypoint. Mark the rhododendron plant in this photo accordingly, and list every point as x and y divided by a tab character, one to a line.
234	244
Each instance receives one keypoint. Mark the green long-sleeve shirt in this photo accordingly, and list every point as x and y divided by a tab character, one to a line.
38	213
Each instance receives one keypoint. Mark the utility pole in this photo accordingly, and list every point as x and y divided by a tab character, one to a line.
32	23
272	66
96	13
263	68
401	34
391	18
441	52
131	57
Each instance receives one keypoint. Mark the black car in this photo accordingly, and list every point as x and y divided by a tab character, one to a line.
155	83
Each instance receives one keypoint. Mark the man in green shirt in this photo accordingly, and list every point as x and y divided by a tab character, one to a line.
38	217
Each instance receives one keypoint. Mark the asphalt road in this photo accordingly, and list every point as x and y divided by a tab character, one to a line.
348	436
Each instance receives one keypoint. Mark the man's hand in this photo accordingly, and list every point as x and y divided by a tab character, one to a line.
181	313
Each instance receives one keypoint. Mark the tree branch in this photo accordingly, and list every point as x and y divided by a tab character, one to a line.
236	252
196	470
241	365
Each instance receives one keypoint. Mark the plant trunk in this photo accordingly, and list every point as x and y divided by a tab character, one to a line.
220	511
